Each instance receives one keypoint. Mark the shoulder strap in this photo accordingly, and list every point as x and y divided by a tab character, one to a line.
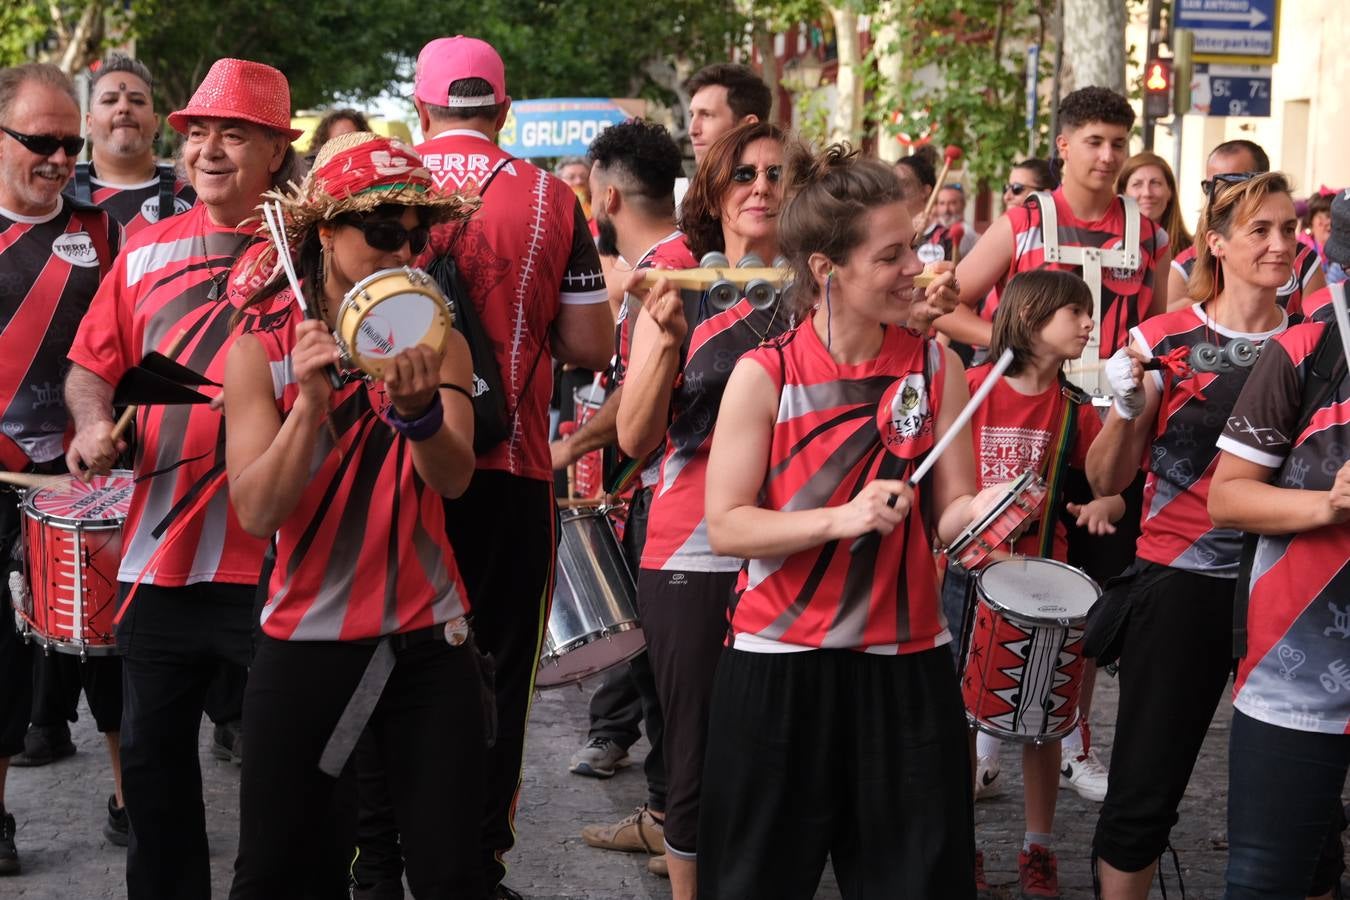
482	192
82	183
167	181
1050	248
1056	461
1325	372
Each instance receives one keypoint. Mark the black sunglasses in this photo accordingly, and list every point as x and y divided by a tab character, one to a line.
389	235
1211	185
46	144
1016	188
746	174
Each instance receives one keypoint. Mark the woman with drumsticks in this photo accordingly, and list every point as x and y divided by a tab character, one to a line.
1173	619
1035	421
836	726
363	629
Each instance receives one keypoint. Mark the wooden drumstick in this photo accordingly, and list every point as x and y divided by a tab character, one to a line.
949	155
701	279
124	421
31	480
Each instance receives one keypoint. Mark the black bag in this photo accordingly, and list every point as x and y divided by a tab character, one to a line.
491	418
1104	634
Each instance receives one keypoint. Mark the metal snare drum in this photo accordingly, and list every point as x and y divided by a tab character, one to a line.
594	624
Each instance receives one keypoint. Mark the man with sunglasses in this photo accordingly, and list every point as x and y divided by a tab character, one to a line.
534	278
53	251
1239	160
193	568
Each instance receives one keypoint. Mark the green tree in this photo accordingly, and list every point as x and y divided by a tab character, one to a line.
68	33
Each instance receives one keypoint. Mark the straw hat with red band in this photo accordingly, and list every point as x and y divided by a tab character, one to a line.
244	90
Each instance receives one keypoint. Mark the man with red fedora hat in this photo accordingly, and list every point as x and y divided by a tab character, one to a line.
534	278
193	569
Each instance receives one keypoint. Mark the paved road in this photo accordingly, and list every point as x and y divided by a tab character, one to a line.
60	811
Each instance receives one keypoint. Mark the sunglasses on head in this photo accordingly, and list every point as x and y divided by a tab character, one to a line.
389	235
1211	185
746	174
1016	188
46	144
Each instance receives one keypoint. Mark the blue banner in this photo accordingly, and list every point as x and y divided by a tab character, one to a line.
562	127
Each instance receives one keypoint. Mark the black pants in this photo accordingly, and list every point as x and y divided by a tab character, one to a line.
628	694
1174	664
684	615
172	642
296	824
1293	778
58	679
16	666
855	756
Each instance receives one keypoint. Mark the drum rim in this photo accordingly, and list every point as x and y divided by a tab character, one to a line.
47	518
1021	737
976	528
420	282
1022	618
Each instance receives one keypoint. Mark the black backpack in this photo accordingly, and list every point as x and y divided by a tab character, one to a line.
492	421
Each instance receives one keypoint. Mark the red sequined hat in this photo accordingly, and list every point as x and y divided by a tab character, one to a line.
240	89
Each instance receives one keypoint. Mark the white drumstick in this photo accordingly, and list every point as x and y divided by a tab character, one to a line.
963	417
1342	319
276	225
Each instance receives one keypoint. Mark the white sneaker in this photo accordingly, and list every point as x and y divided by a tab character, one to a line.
1086	775
987	784
598	759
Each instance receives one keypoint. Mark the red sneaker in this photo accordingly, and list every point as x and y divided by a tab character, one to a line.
1038	872
981	884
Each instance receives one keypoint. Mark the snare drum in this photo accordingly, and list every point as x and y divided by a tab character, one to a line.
388	312
588	480
1023	666
72	539
594	623
973	547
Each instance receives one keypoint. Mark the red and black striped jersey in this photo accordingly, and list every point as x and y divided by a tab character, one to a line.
826	446
1013	432
1290	294
364	554
135	206
1316	307
1176	529
1127	294
50	267
1295	674
170	280
523	255
677	532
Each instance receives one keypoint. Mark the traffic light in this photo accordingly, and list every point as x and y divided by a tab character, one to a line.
1158	88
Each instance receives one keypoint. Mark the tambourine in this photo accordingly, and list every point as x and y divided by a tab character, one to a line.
973	547
388	312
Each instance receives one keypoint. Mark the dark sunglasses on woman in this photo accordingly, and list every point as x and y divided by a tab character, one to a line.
1211	185
46	144
389	235
746	174
1016	188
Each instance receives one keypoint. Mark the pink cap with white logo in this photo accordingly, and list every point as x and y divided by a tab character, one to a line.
447	60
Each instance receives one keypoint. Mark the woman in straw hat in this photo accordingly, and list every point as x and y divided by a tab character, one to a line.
363	629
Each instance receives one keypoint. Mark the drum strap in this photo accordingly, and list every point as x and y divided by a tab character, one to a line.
1054	464
1325	374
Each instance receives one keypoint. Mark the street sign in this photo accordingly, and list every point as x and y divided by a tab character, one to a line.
1232	31
1218	90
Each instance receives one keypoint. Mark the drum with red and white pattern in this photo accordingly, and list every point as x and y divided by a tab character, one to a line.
982	539
1023	664
589	474
72	539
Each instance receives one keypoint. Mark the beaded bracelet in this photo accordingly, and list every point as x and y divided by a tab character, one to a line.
425	426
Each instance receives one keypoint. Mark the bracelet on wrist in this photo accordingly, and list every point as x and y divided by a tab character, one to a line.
422	428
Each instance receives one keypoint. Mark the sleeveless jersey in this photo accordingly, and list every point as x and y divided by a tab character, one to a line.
1013	433
677	532
826	447
523	254
1295	674
1127	294
134	206
348	568
170	279
50	268
1290	294
1176	529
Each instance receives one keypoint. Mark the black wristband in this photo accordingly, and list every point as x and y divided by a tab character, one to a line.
425	426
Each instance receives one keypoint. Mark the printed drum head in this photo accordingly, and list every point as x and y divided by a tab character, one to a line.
105	500
389	312
1039	590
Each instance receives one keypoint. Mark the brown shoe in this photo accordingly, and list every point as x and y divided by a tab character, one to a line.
639	833
657	866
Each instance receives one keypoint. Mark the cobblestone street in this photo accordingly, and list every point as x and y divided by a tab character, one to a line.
60	811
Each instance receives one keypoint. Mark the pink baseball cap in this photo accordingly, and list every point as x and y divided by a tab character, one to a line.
447	60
